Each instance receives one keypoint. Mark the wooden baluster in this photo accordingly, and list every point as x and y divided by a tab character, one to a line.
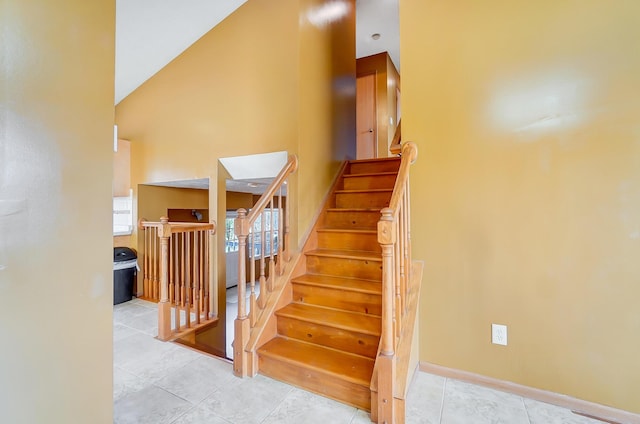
164	307
152	263
207	280
279	233
242	326
408	231
176	278
263	279
145	264
196	275
405	252
183	276
192	275
252	280
285	239
272	262
400	257
187	282
158	258
385	363
202	235
171	279
397	279
147	258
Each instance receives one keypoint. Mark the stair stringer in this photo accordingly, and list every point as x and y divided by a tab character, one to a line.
265	326
406	355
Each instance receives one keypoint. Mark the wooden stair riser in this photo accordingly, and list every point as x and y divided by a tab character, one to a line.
349	240
317	382
367	181
345	267
364	199
348	219
324	335
371	167
366	303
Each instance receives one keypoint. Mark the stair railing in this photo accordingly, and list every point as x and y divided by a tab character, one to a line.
395	239
175	266
263	239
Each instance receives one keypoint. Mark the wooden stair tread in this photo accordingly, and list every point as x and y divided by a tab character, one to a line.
355	368
361	231
391	159
370	174
351	284
345	320
354	209
365	190
347	254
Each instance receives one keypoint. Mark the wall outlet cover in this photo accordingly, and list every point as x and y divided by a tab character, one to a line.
499	334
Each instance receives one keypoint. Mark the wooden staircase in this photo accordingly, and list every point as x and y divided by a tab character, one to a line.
328	336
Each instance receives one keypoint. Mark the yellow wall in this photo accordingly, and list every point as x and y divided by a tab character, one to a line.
327	129
122	169
264	80
236	200
56	152
526	192
387	83
153	201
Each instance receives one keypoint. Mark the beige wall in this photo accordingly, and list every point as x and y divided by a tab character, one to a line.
526	193
264	80
387	83
56	152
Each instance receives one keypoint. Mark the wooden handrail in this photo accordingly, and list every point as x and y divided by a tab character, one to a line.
256	241
395	240
290	167
179	227
409	156
176	274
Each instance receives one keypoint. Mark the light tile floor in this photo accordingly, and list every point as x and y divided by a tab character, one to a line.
157	383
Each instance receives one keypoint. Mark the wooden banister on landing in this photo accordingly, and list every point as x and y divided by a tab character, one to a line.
175	265
263	241
395	239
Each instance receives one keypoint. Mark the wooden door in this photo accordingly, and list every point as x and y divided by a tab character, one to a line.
366	124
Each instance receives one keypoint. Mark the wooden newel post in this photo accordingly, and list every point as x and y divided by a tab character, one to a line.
386	360
164	307
241	325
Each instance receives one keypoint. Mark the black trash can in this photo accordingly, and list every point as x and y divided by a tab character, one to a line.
125	264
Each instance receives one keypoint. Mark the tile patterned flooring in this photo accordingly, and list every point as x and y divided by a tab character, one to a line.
158	383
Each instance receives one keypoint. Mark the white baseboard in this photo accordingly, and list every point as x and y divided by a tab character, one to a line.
583	407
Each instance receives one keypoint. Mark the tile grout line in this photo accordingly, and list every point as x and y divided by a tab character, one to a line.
280	403
444	388
526	411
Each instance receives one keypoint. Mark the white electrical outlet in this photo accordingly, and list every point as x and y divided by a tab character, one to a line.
499	334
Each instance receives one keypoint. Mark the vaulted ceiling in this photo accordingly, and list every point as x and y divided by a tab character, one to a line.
151	33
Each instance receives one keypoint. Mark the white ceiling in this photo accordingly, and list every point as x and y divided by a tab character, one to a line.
151	33
253	185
